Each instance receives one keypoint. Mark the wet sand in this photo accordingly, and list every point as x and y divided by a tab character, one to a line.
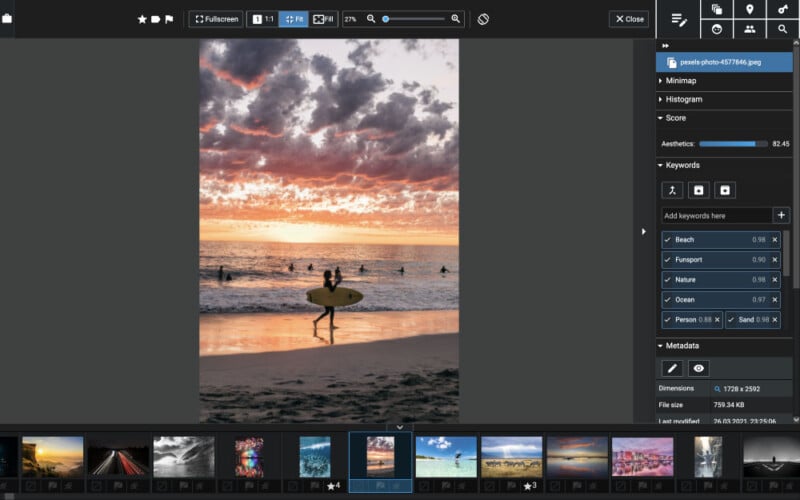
382	367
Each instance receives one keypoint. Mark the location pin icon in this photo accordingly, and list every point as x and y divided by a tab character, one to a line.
749	9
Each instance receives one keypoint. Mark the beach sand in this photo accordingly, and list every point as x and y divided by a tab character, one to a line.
383	367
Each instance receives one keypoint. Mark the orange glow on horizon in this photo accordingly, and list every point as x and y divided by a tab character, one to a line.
288	232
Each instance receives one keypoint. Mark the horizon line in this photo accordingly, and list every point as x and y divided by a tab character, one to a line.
333	243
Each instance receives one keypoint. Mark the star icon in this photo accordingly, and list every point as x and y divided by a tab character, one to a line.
527	486
142	19
331	486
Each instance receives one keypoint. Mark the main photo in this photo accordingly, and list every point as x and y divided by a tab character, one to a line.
329	199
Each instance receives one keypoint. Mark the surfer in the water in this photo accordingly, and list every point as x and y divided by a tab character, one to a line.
330	285
337	275
401	270
220	273
311	267
291	267
444	270
361	269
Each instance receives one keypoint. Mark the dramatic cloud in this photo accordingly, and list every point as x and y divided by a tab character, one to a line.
380	443
346	133
440	442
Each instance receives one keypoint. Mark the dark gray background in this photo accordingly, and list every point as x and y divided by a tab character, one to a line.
98	195
546	239
99	200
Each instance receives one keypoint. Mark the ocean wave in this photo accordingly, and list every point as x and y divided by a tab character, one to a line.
310	308
377	297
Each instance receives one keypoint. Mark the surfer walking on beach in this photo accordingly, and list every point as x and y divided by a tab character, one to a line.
330	285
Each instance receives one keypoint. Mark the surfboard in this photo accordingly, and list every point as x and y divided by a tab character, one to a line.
339	297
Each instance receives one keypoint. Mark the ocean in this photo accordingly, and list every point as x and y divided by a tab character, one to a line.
262	282
446	468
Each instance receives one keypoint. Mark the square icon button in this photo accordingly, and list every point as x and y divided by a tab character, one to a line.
750	9
700	368
699	190
717	29
671	368
725	190
672	190
717	9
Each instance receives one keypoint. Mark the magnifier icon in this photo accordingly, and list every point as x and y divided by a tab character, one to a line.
371	18
782	29
717	389
455	18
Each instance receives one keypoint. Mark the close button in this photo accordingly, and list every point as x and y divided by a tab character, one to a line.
629	19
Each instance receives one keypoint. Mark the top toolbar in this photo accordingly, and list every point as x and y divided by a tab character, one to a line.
637	19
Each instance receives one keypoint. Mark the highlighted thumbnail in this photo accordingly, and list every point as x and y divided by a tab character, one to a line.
380	456
642	456
8	457
519	456
250	457
772	456
52	456
707	456
183	456
447	456
579	457
114	456
315	456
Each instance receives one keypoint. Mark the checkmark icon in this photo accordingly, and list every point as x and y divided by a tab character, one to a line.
666	301
667	319
667	260
667	279
731	319
667	239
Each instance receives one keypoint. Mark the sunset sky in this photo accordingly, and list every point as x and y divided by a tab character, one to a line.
329	141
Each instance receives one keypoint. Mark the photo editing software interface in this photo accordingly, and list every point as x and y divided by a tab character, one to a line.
442	249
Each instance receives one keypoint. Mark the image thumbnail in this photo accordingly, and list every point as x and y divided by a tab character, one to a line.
114	456
707	456
511	456
380	456
8	457
249	457
642	456
578	457
771	456
315	456
183	456
329	230
447	456
51	456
